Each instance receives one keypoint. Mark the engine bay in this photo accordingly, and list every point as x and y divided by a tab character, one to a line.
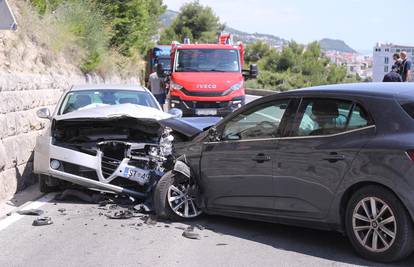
129	150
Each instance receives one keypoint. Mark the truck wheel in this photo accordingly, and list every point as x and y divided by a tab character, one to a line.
378	225
173	198
44	187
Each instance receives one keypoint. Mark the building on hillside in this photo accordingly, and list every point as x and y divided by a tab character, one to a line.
354	63
382	58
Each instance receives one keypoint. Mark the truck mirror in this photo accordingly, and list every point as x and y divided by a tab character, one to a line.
253	71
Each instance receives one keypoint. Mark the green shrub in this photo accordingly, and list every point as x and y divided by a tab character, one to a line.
81	27
44	6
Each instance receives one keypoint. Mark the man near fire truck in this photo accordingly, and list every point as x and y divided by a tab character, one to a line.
156	84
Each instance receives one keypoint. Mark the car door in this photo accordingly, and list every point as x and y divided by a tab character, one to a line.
324	139
237	170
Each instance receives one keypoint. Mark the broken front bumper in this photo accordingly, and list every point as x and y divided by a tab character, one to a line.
48	155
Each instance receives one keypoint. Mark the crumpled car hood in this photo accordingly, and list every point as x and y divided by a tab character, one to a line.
144	115
116	111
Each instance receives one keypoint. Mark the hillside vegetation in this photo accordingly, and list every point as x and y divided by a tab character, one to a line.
105	36
101	35
335	45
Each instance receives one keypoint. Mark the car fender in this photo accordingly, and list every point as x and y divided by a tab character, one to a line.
183	168
381	171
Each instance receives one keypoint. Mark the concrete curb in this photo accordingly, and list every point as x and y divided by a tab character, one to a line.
260	92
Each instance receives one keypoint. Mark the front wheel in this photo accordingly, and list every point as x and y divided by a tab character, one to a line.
378	225
175	197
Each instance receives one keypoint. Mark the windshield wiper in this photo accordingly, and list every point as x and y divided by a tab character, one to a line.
218	70
188	69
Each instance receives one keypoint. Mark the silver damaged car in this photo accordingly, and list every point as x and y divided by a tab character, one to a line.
113	138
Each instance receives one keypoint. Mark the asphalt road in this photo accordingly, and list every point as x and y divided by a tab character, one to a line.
250	98
83	236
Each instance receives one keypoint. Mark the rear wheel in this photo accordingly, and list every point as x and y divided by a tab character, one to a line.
378	225
45	184
175	197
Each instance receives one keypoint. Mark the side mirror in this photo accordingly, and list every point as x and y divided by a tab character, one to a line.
175	112
44	113
253	71
213	135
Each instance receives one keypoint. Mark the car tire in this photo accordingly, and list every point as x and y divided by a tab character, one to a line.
168	187
43	184
378	225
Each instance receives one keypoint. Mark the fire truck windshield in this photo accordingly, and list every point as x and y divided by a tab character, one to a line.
208	60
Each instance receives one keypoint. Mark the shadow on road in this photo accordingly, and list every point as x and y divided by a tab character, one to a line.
323	244
317	243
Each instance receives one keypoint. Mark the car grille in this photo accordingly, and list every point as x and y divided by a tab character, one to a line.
204	93
79	170
109	166
206	104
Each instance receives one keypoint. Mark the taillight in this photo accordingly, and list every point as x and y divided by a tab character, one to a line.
410	154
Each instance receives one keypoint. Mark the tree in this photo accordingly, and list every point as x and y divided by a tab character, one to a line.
195	21
256	51
298	66
133	23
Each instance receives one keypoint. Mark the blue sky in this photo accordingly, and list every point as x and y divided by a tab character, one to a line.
360	23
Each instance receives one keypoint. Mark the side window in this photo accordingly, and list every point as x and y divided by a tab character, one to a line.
359	118
323	116
260	122
330	116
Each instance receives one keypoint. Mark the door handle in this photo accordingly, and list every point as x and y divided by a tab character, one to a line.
260	158
334	157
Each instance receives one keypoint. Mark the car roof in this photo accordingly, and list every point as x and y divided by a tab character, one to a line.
361	89
131	87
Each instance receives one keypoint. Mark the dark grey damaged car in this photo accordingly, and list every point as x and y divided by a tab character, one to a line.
337	157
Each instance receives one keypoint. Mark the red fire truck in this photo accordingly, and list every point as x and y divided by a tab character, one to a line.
208	79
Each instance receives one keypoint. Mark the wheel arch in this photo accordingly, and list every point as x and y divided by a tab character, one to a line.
346	196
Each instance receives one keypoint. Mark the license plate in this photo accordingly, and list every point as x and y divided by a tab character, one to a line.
132	172
206	111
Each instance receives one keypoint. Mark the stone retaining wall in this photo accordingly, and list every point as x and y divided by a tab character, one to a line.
21	95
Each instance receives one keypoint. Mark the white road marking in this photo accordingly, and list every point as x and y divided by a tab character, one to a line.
14	217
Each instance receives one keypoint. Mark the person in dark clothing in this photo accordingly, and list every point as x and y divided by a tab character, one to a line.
397	62
393	76
405	69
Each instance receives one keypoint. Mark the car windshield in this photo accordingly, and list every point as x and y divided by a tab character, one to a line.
208	60
78	100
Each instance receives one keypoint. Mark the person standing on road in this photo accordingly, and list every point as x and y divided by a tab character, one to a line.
156	84
405	69
393	76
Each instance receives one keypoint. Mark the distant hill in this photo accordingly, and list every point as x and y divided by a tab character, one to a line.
248	38
326	44
335	45
168	17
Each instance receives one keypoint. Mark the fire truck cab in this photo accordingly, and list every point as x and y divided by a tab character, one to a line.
208	79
